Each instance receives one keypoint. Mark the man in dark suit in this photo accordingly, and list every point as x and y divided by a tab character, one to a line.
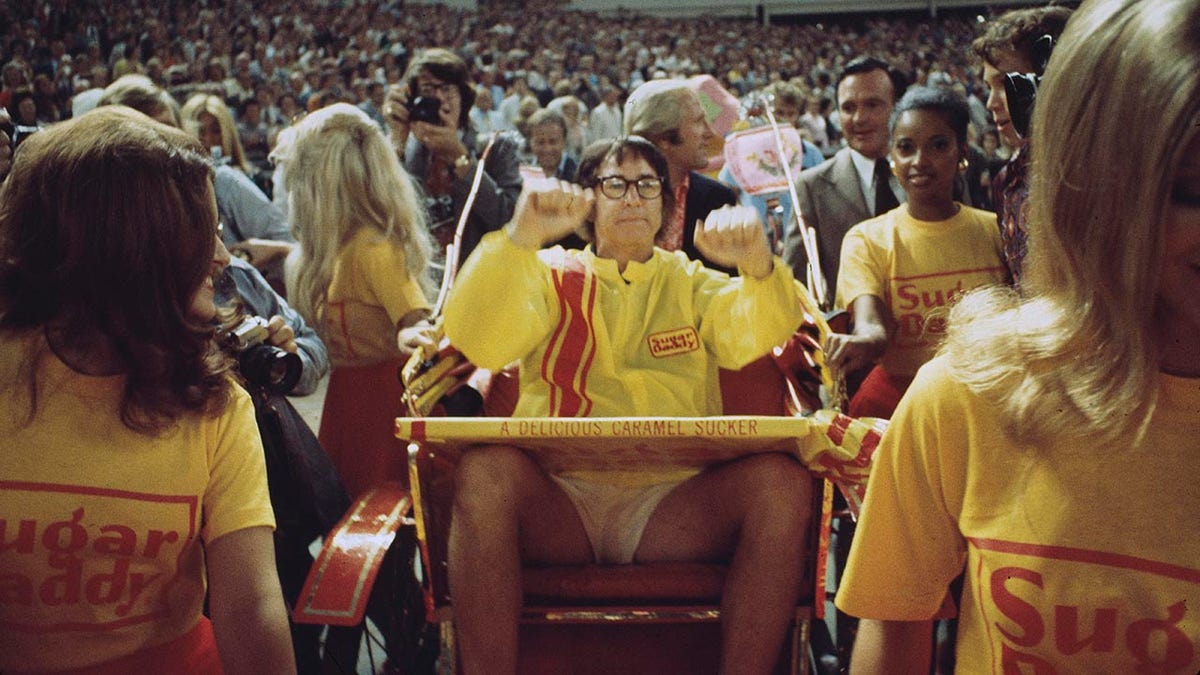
668	113
546	140
855	184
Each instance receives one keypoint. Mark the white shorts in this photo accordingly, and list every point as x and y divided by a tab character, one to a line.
614	516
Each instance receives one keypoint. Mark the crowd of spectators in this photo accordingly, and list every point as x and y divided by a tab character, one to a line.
273	61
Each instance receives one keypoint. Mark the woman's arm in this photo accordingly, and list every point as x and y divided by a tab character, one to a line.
866	343
891	647
414	331
248	614
255	215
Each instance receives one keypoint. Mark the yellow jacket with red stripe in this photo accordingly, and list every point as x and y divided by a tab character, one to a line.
593	342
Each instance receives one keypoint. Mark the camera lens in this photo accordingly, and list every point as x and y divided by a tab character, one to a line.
271	368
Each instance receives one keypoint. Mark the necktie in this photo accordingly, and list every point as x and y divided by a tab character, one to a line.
885	199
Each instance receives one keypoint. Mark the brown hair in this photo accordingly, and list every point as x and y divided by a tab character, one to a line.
1016	31
620	149
106	233
446	66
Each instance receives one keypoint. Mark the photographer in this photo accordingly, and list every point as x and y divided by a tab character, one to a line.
241	280
429	121
279	354
286	329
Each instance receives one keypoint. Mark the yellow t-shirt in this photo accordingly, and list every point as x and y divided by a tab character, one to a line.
101	528
918	268
370	292
1082	559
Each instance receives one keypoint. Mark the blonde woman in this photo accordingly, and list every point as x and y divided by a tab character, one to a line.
248	216
208	118
1051	450
361	278
575	115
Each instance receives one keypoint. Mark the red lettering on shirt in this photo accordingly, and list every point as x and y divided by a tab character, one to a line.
672	342
72	557
1040	617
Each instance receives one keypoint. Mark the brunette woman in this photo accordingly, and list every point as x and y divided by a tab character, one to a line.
132	481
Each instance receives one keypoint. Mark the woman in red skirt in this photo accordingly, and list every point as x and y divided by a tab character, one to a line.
361	279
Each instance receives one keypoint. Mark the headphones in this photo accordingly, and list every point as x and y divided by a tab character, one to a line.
1021	88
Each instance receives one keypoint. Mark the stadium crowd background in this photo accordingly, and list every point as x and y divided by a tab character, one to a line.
273	61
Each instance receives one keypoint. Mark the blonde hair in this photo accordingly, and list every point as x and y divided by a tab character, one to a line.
140	93
209	104
1078	354
342	175
655	109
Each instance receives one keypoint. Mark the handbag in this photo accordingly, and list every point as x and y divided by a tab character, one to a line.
306	493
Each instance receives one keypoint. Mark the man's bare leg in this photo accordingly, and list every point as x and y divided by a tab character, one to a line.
754	513
506	509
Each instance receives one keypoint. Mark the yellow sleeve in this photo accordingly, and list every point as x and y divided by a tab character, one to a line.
384	269
908	546
860	271
743	318
237	497
500	308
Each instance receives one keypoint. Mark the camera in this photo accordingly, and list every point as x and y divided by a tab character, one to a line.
425	109
262	364
17	133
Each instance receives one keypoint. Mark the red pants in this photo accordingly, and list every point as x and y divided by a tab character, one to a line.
193	653
878	394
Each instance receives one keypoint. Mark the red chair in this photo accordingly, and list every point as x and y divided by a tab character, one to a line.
651	618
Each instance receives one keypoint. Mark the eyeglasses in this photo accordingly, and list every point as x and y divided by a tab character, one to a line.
615	187
442	91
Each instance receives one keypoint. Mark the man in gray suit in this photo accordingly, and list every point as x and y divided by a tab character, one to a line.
855	184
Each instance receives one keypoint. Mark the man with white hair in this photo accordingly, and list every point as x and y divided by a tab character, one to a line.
669	115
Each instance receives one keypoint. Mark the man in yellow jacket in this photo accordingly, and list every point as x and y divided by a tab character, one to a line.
622	329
